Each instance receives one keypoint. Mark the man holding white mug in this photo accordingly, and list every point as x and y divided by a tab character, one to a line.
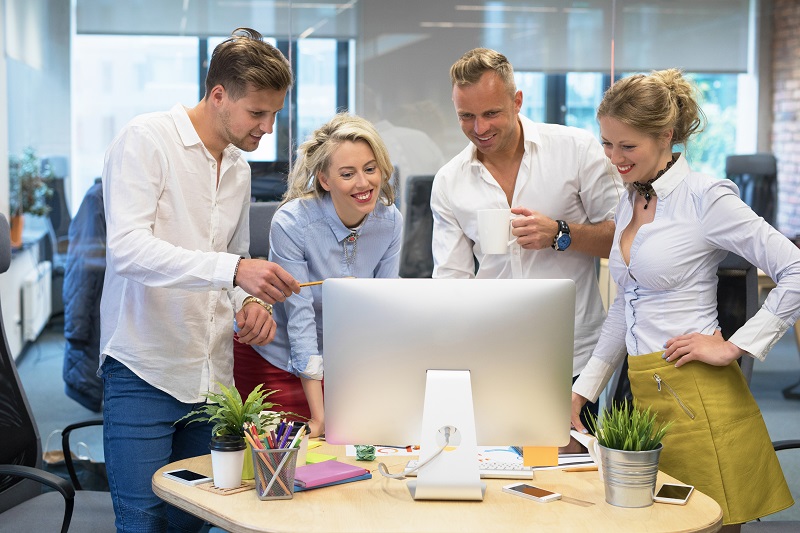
554	183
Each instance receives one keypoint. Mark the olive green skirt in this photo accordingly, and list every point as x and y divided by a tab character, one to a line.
718	441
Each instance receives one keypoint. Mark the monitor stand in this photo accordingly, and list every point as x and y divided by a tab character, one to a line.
448	409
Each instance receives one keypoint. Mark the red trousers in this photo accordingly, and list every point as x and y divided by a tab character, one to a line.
250	369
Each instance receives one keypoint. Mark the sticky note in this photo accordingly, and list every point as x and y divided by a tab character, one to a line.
540	455
312	457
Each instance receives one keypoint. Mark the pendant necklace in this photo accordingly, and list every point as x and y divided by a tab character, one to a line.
350	244
352	241
646	189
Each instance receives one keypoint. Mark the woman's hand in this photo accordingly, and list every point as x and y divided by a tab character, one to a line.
316	427
711	349
578	402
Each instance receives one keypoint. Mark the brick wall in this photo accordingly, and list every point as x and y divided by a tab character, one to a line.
786	112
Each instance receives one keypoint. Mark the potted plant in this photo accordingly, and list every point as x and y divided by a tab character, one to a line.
28	190
629	445
230	413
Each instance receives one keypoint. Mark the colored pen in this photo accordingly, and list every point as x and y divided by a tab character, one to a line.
285	436
300	434
310	283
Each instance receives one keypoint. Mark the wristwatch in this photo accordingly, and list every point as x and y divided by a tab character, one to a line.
562	239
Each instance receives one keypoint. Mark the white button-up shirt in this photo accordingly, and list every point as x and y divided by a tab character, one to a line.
174	238
564	175
670	286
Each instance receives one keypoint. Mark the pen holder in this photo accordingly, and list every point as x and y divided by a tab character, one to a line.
274	470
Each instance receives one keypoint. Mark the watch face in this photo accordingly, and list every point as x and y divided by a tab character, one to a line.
564	241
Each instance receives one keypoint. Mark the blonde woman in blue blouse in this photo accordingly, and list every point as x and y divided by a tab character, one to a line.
338	219
674	227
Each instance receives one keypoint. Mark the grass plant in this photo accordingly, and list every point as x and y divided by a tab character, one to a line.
627	427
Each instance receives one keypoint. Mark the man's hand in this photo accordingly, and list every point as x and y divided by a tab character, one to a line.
533	230
711	349
265	280
255	324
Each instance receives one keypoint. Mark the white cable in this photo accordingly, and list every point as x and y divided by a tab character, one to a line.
383	469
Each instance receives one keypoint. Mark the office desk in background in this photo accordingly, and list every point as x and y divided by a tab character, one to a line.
382	504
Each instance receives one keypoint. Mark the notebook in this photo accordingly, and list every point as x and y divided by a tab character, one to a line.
298	488
314	475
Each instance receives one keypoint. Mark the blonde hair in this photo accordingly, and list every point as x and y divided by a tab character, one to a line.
475	63
314	157
660	101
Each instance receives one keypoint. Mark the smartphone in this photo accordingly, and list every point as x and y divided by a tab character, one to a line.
187	477
673	493
531	492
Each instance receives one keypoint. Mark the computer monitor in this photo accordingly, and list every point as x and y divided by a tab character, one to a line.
405	359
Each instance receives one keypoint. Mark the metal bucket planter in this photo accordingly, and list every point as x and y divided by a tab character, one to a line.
629	477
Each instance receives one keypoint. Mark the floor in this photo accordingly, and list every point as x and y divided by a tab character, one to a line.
41	362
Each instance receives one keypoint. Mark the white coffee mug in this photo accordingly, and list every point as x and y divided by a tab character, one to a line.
494	230
593	447
227	459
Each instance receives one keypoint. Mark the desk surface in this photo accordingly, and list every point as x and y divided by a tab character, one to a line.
382	504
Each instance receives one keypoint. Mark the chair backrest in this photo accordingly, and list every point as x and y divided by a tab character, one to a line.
737	299
756	175
20	444
416	254
261	214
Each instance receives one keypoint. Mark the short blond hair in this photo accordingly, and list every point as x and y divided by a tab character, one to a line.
475	63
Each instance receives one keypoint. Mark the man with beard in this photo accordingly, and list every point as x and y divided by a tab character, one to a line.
176	192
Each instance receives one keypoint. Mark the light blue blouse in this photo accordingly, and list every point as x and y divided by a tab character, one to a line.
307	238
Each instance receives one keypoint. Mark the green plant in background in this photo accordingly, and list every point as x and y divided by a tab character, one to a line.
229	413
626	427
28	188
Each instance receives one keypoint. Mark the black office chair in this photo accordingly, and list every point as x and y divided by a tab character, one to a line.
416	254
756	175
261	214
23	507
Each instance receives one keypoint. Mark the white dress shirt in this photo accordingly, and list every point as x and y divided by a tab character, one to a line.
564	175
670	287
174	238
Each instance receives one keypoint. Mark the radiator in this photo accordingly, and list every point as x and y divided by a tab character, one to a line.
36	300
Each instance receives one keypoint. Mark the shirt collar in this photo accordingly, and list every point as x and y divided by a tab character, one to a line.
672	177
530	136
189	136
340	231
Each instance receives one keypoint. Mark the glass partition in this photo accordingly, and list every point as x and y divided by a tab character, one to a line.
389	61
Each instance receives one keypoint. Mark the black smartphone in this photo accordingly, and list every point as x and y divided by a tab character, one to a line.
673	493
187	477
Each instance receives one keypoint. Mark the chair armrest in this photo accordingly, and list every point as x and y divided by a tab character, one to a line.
785	444
73	476
51	480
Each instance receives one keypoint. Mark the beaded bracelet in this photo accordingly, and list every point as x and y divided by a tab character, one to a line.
259	301
236	270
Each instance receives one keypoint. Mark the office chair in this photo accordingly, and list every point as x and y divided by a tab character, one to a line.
416	254
737	302
756	175
261	214
23	507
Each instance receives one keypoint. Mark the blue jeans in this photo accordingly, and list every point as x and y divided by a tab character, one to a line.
140	437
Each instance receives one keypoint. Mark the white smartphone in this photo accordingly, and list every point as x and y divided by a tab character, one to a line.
187	477
531	492
673	493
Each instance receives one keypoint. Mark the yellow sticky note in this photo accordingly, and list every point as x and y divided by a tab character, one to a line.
540	455
314	443
312	457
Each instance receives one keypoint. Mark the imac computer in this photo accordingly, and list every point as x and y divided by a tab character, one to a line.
448	364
